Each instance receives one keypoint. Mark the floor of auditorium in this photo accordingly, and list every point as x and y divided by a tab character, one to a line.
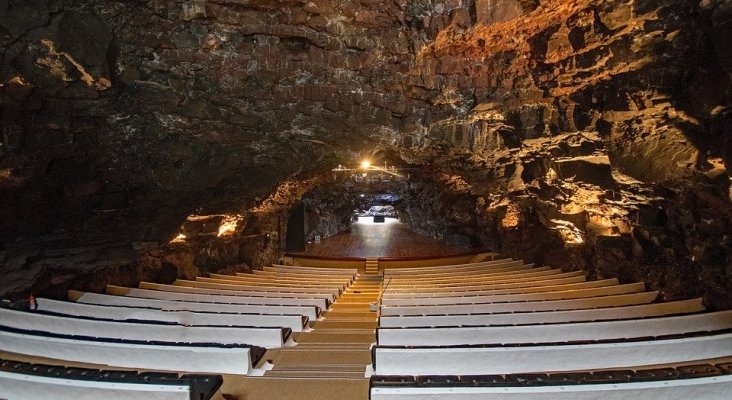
390	239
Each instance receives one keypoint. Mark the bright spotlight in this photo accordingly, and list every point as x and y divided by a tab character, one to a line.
365	164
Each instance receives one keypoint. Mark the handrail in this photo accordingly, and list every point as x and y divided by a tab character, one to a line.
381	295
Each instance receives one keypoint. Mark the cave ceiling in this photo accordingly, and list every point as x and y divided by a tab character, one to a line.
121	118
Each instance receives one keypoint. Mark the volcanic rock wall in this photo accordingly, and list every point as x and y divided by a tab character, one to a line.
590	134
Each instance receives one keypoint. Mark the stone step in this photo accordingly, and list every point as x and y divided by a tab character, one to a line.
349	331
335	337
370	278
316	374
347	314
331	347
296	388
336	318
361	309
352	301
360	294
332	324
359	299
313	356
320	367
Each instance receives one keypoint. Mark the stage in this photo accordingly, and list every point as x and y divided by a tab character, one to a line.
390	239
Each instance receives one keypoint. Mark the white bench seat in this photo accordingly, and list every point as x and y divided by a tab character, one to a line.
546	317
449	268
188	318
551	358
464	269
521	297
71	326
305	292
471	286
313	270
270	271
206	359
551	333
532	275
281	276
710	388
529	306
213	296
511	288
206	306
276	286
274	281
270	298
460	276
21	386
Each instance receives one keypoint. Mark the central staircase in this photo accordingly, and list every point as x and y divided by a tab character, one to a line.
372	266
328	362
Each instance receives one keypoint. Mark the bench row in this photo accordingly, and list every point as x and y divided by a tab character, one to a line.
544	317
561	332
21	380
415	271
593	289
267	337
708	382
166	356
484	360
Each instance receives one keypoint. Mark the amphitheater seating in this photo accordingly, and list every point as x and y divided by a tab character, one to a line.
499	329
245	297
293	322
482	265
556	357
526	286
705	381
539	333
553	333
319	271
21	380
499	270
167	356
519	297
219	324
513	277
296	275
160	292
488	277
528	306
278	285
272	279
546	317
310	312
267	291
267	337
492	277
223	328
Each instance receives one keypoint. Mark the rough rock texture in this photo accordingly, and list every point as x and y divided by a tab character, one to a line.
590	134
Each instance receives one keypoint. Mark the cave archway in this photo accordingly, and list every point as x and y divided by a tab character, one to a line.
295	237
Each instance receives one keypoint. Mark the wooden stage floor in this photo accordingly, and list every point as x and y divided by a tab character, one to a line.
391	239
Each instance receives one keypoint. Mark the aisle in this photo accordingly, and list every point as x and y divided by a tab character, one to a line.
327	363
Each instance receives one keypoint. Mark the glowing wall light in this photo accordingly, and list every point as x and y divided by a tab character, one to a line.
179	239
228	226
